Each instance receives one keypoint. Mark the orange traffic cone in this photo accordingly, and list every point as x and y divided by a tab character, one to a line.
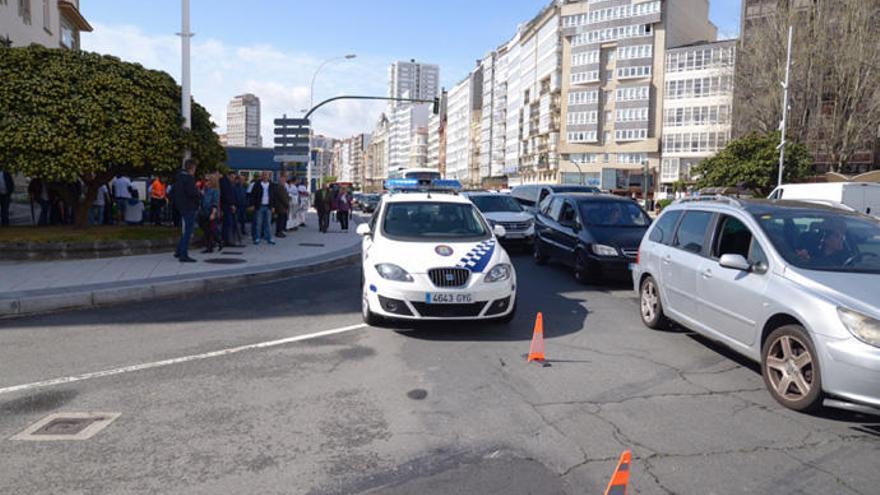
536	351
620	481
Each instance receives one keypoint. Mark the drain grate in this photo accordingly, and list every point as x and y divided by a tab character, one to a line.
67	426
225	261
308	244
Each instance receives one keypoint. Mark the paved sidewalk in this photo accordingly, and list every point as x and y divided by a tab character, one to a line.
32	287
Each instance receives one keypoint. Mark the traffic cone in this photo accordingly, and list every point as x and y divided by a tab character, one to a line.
536	351
620	480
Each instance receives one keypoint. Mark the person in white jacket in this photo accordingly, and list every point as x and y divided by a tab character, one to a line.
293	193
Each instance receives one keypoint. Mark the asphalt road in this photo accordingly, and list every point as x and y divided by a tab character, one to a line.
444	408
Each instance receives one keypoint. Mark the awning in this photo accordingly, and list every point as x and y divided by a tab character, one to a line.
70	11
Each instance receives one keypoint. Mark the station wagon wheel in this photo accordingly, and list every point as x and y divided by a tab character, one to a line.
538	252
650	307
581	267
791	368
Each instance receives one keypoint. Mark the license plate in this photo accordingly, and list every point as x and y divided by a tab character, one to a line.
446	298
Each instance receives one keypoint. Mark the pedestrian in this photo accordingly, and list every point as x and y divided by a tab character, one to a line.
228	205
252	208
96	210
343	205
280	205
121	193
186	200
262	199
323	200
209	214
293	197
38	190
7	187
134	209
241	202
158	198
304	203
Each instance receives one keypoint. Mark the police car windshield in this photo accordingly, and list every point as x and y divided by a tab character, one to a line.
424	221
496	203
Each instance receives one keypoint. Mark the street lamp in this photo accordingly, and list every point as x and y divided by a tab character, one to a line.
185	86
580	172
315	75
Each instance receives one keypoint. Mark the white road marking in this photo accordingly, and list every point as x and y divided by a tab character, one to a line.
179	360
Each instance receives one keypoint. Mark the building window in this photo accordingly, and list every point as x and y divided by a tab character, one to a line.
630	134
627	72
24	11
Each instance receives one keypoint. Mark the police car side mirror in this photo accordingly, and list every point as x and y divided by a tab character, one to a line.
500	231
363	230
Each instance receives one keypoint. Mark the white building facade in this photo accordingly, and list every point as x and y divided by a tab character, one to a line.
413	80
697	106
51	23
243	122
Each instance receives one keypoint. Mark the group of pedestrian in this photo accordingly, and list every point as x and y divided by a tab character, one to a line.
330	200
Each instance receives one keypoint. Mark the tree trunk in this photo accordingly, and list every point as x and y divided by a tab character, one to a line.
83	205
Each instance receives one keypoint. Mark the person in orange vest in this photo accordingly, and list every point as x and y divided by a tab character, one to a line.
158	198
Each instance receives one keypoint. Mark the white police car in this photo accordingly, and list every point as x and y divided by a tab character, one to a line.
428	254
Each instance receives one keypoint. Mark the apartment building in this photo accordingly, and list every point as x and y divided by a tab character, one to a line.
322	155
404	121
437	137
613	84
243	122
376	166
413	80
463	117
51	23
697	106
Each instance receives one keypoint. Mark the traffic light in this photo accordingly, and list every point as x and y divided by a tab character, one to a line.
436	105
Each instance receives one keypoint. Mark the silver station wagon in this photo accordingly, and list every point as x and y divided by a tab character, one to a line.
794	286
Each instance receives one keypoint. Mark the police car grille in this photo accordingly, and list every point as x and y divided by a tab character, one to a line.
449	310
449	277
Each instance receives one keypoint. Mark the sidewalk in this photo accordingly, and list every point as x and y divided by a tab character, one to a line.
35	287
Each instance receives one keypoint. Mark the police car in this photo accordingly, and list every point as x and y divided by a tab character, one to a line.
428	254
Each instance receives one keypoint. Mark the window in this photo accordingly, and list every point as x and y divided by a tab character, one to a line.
24	11
47	13
665	226
735	238
427	221
568	215
692	231
554	208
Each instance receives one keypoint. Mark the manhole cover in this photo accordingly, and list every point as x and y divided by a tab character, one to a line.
232	253
417	394
308	244
67	426
226	261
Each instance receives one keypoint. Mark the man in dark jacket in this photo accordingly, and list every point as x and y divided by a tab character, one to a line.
186	200
323	202
241	204
7	187
228	205
281	205
262	199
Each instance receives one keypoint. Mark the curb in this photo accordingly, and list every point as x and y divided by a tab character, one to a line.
99	295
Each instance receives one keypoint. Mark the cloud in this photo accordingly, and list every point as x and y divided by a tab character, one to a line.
279	78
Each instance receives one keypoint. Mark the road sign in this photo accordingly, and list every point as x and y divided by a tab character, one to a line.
293	140
292	131
292	150
291	158
285	122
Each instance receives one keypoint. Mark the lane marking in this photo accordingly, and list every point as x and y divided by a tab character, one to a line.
179	360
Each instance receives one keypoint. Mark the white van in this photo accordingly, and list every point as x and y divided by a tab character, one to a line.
863	197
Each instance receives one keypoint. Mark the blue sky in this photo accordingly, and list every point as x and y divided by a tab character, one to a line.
272	47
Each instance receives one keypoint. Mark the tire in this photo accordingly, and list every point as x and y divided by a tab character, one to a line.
582	271
538	253
370	318
788	368
650	305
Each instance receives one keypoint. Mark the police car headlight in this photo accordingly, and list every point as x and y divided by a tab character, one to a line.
499	273
862	327
393	272
603	250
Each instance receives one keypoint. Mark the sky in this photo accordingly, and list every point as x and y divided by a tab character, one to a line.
272	47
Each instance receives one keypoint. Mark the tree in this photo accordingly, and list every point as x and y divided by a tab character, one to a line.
834	95
752	162
68	116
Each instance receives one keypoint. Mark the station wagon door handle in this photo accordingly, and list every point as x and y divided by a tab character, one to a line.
707	273
667	259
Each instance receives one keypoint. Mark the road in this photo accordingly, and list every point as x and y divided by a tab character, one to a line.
443	408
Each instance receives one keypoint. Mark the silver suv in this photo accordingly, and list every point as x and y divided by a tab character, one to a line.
794	286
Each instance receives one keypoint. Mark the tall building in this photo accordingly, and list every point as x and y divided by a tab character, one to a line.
243	121
613	80
697	106
404	120
376	167
463	118
437	137
413	80
322	155
51	23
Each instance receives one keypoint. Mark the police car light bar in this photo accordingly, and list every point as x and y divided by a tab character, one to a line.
414	185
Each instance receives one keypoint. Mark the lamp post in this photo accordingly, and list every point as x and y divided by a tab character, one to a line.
186	85
783	125
580	172
311	104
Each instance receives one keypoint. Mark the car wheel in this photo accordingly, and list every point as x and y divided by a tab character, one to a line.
370	318
790	367
582	268
650	306
538	253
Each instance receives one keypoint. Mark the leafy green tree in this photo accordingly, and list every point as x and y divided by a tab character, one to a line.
752	162
68	116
